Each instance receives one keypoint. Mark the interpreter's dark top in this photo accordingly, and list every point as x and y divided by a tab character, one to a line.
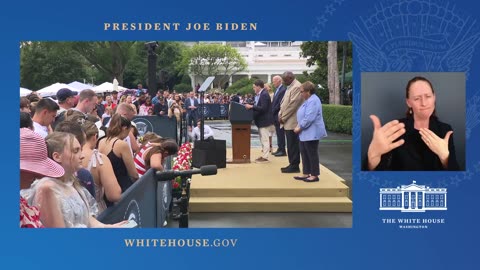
414	154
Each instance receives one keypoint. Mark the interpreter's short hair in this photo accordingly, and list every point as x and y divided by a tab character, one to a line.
86	94
308	86
46	104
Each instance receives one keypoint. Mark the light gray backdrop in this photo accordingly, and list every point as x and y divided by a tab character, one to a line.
383	94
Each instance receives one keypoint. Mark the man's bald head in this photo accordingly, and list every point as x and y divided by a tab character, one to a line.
288	77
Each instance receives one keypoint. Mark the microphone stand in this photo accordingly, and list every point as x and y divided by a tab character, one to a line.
184	202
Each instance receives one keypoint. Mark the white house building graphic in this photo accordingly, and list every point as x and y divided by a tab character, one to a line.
413	198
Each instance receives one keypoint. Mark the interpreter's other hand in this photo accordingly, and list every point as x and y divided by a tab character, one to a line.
384	137
438	145
280	120
248	106
297	130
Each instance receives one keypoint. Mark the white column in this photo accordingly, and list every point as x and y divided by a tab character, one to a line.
249	75
403	199
381	195
269	79
230	81
445	199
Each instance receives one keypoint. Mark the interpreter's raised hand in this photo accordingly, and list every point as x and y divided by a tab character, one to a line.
438	145
383	140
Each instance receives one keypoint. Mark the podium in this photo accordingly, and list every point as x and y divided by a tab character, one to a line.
241	120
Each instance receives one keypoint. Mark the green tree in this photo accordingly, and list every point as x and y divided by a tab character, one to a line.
169	70
108	57
333	87
45	63
221	61
316	53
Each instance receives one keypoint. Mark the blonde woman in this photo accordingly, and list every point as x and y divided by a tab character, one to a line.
62	201
101	169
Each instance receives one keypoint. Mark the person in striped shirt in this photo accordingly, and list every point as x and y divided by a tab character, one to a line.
153	153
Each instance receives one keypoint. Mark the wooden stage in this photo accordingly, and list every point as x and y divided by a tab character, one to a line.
263	188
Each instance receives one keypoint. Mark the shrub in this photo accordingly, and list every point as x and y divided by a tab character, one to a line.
243	86
337	118
183	88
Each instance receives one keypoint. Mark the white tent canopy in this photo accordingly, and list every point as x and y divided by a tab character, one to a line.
24	91
107	87
80	86
53	89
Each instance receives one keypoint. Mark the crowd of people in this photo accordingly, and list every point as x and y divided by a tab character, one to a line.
72	166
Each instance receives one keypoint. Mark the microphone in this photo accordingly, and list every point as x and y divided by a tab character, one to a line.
170	174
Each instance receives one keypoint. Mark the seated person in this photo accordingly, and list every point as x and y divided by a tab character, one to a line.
207	132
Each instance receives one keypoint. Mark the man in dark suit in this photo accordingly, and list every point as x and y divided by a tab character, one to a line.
263	117
277	100
236	98
191	104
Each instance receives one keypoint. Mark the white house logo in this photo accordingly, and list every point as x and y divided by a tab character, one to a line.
143	126
206	111
413	198
133	213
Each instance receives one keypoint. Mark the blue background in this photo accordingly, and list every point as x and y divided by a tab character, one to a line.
369	244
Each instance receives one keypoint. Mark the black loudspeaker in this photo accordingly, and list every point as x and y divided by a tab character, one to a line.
210	152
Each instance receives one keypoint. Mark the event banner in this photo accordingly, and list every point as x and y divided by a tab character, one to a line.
411	84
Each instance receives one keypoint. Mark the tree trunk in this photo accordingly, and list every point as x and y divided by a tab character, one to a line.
333	82
118	64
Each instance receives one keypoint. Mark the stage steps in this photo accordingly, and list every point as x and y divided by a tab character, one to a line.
263	188
270	204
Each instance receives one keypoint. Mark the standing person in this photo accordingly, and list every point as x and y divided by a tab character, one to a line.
143	110
191	104
262	117
277	100
101	169
161	108
419	142
115	98
310	129
45	113
62	201
66	99
34	164
87	101
287	116
118	151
